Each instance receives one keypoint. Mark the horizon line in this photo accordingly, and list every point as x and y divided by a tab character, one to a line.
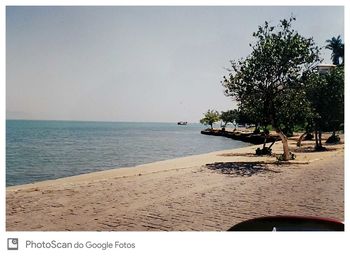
111	121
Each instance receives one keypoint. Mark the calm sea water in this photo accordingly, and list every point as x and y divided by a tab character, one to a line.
41	150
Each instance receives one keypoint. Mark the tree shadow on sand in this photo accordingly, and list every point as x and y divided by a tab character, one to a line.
310	149
238	169
238	154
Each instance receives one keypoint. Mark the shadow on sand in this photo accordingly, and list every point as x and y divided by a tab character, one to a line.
310	149
242	169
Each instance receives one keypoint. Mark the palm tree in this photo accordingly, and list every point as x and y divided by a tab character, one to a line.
337	47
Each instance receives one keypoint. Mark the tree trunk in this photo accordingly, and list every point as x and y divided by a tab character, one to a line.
320	139
272	144
301	139
286	155
265	139
333	133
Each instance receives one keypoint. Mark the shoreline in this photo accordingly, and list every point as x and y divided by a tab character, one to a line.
123	146
207	192
163	165
143	169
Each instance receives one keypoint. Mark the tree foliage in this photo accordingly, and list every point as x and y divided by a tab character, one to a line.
229	116
325	93
210	117
335	44
246	117
268	84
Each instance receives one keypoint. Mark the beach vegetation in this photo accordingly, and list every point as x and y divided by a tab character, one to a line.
249	116
210	117
269	83
325	93
244	117
229	116
336	45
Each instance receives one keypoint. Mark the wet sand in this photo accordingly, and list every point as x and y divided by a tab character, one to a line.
209	192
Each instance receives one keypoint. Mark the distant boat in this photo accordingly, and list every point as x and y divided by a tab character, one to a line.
182	123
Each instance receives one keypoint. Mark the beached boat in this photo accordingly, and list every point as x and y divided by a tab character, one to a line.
182	123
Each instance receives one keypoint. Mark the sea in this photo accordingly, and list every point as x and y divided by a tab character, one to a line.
43	150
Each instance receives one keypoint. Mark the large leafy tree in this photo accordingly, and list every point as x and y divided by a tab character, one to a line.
210	117
246	117
337	47
270	81
326	95
229	116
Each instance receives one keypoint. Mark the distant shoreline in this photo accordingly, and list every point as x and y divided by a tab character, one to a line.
248	137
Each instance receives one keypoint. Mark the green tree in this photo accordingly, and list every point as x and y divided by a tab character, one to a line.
210	117
229	117
326	95
335	44
269	81
248	117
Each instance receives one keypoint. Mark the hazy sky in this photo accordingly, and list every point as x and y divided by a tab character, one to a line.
136	63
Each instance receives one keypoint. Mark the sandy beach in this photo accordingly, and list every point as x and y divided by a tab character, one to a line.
208	192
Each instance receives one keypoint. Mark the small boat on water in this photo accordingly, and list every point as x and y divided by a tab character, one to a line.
182	123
